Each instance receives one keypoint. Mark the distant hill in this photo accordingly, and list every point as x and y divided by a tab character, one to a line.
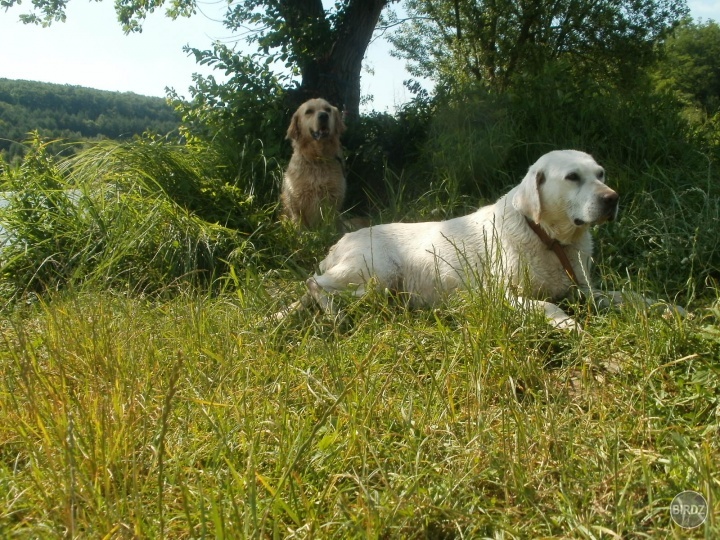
75	113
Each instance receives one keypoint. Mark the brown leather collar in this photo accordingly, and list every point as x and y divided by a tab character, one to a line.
557	248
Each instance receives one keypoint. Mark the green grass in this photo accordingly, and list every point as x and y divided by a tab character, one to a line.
144	394
192	417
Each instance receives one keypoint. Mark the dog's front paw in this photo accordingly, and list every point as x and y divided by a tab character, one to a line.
559	319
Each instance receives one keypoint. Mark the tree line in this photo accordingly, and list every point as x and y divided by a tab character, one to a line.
74	114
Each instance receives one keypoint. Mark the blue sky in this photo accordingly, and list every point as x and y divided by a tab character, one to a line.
90	49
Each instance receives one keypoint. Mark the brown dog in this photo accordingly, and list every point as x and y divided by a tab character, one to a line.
314	181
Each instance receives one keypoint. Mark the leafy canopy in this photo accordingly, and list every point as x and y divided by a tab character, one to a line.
131	13
690	66
494	42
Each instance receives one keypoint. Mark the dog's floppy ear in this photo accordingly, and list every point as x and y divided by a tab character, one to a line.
293	132
339	123
527	197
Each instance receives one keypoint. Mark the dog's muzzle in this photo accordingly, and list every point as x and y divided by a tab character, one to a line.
320	134
323	131
607	205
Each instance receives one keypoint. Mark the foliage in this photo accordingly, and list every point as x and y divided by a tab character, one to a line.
75	114
247	111
483	141
289	43
380	145
690	66
662	233
492	43
139	215
130	13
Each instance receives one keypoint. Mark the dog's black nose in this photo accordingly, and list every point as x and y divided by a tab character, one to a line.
609	201
323	117
610	198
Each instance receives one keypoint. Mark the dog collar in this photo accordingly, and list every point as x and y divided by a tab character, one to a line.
556	247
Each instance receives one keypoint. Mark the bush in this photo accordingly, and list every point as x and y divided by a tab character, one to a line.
483	142
243	120
667	235
140	215
380	146
665	168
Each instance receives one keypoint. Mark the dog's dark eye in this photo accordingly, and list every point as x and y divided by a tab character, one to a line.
573	177
601	174
308	112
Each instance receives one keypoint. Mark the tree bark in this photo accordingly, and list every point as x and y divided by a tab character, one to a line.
333	71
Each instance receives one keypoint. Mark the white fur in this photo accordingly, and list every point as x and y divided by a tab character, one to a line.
564	191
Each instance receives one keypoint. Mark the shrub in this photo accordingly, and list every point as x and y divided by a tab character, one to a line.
379	146
483	142
141	215
664	167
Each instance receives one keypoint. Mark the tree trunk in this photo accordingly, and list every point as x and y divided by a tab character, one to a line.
334	73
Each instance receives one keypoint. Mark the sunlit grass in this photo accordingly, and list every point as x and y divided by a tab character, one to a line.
191	418
137	402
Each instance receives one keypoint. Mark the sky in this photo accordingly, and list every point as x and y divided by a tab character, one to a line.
90	49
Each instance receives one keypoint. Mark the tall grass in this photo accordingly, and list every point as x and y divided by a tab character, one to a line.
665	169
125	413
184	418
666	236
143	216
140	215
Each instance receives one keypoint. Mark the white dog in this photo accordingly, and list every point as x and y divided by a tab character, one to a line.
534	240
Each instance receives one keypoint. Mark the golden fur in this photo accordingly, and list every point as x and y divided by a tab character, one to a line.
314	180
